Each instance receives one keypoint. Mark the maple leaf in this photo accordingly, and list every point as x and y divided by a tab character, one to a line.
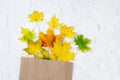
43	55
33	47
82	43
67	31
61	51
27	35
49	38
52	56
36	16
54	22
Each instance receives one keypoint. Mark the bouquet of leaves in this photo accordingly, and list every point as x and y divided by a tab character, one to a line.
51	46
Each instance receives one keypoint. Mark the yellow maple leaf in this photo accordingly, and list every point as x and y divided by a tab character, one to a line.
49	38
43	55
54	22
27	34
33	47
36	16
61	51
38	56
67	31
52	56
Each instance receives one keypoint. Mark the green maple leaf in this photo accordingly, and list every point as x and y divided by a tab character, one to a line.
82	43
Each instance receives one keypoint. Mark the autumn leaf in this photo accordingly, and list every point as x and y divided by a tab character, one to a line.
82	43
33	47
67	31
52	56
43	55
27	35
36	16
54	22
61	51
38	56
49	38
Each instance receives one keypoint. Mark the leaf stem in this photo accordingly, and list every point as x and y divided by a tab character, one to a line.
38	26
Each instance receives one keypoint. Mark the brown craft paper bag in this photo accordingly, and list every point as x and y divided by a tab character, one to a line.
33	69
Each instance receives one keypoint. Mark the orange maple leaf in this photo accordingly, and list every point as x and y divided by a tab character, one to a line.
49	38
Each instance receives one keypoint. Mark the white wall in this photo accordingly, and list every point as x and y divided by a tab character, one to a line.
96	19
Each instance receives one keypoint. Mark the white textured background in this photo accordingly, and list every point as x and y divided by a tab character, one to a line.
96	19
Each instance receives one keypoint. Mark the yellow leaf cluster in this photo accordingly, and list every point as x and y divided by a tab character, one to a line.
51	46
